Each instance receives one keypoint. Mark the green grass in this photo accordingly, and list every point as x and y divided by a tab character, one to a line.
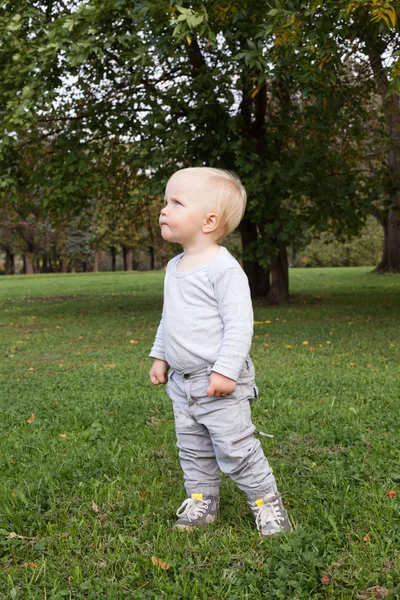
92	483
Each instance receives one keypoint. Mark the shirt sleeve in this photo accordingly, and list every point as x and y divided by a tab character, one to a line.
235	308
157	350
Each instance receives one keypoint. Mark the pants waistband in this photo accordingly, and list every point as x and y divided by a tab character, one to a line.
193	374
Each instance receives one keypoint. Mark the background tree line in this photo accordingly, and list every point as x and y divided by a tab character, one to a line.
101	101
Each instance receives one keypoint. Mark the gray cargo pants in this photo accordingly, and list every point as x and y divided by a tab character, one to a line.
217	434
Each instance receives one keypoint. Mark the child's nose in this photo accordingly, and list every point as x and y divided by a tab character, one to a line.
164	211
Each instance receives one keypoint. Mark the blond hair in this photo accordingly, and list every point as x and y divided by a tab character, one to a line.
229	197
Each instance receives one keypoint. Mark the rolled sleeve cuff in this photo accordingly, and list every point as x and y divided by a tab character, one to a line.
227	372
159	355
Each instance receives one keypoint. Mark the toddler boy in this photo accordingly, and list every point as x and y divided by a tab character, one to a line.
204	338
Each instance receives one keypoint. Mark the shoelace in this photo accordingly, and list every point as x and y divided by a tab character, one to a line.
193	508
268	512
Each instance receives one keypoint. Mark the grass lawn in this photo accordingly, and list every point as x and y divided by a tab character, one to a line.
89	474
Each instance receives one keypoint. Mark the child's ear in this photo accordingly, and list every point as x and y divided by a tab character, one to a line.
211	222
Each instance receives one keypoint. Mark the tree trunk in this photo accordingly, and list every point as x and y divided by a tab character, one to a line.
96	258
28	262
258	276
152	258
10	263
128	259
279	289
73	266
113	259
45	263
390	262
64	264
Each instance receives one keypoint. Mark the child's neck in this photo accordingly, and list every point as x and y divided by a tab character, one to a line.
197	257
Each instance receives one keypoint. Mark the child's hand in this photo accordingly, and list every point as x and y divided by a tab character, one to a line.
220	385
159	372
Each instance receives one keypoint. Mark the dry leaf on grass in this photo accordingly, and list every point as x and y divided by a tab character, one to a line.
62	435
31	418
367	538
374	593
95	508
326	579
391	494
160	563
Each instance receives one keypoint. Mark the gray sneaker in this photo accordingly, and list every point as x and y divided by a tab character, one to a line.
270	515
197	511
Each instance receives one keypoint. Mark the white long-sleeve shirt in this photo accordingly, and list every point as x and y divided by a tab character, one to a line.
207	317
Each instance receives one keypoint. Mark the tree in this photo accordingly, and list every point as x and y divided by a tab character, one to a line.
192	83
367	30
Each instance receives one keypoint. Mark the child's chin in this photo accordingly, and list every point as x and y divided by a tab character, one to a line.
166	235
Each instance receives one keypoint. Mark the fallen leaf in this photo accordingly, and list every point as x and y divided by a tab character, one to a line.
31	418
374	593
31	369
260	565
159	563
110	365
367	538
391	494
305	343
326	579
95	508
133	342
154	410
62	435
33	565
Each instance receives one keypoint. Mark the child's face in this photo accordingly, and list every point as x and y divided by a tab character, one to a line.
188	202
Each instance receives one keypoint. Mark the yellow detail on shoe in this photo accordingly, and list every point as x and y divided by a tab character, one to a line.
259	502
197	496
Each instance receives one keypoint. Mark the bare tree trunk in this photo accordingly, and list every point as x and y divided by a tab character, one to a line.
64	264
257	276
152	258
73	266
96	258
45	263
279	289
390	262
129	259
113	258
28	262
9	263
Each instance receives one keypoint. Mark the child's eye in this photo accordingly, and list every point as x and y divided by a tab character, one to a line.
177	202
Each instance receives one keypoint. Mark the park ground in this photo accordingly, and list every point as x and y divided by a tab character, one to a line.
89	474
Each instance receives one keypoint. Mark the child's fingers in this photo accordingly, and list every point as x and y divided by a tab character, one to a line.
154	379
211	391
